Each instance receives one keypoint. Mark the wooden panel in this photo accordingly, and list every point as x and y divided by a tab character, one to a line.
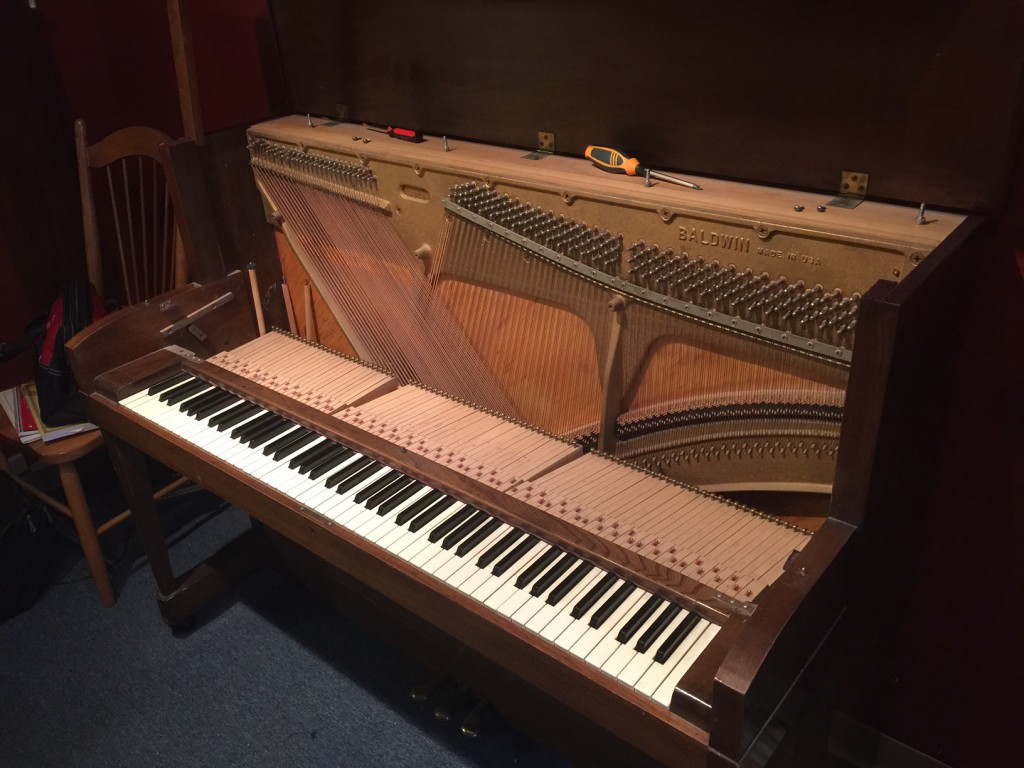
326	329
921	95
944	504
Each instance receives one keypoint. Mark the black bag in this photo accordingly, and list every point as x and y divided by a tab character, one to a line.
78	306
26	547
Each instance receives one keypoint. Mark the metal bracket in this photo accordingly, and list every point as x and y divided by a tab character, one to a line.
545	146
853	189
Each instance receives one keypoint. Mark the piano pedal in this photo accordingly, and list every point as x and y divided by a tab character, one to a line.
475	719
449	702
426	691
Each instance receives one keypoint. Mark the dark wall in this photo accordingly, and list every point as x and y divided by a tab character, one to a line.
110	63
936	633
920	94
40	229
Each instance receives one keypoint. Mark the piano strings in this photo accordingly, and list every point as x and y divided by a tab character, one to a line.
541	330
496	324
378	285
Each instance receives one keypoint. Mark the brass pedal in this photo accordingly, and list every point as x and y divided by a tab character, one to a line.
475	719
425	691
449	702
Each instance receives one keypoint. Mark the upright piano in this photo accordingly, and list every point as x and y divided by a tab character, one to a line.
532	408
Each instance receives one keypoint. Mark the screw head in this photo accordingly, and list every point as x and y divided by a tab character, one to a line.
798	208
822	209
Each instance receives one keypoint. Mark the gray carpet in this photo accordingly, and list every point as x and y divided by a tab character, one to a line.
270	677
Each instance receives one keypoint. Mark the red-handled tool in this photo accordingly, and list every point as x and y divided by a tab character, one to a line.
405	134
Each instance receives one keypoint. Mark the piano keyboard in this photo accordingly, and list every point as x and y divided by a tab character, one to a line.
732	550
640	639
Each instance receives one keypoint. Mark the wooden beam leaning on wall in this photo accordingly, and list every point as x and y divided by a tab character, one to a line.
196	224
185	70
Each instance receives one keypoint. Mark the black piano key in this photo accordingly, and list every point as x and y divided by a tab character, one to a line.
291	444
188	405
254	425
194	403
330	463
419	505
269	433
514	556
353	481
637	620
400	498
348	470
310	454
611	605
433	512
287	438
232	416
328	450
190	381
376	486
217	405
466	528
256	428
460	527
167	383
569	583
553	574
592	595
475	538
499	546
183	391
653	632
676	637
536	568
393	488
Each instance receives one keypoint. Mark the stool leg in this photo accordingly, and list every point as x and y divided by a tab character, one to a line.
86	529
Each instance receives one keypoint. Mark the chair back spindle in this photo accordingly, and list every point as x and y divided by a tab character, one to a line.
128	215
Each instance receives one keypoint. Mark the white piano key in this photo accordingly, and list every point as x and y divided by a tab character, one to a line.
626	652
578	627
485	589
663	695
550	613
603	651
592	637
454	571
657	673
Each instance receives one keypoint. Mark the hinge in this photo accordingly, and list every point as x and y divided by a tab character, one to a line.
545	146
853	188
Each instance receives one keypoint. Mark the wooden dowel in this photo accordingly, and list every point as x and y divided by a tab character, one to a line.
289	308
308	297
256	299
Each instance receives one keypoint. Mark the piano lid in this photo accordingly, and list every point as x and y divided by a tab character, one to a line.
923	96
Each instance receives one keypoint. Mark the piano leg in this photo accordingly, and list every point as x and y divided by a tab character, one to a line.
180	597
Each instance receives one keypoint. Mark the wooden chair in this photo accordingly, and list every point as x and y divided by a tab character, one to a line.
147	256
63	454
125	176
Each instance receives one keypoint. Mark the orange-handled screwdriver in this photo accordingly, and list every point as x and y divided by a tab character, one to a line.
613	161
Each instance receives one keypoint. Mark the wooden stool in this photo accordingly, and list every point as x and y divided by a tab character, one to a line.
63	454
